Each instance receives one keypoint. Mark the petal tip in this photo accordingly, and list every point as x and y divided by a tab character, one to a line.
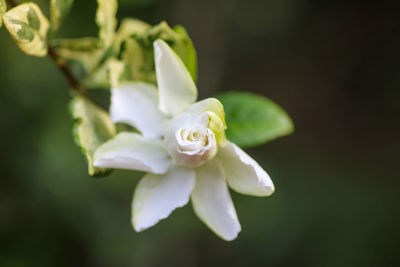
269	190
156	197
138	227
232	236
158	42
158	45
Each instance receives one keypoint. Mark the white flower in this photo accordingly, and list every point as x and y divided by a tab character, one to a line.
183	148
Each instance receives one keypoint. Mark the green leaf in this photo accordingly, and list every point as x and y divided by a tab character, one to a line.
116	69
140	61
3	9
253	120
28	27
106	20
108	75
58	11
92	127
87	51
129	27
138	51
91	54
99	64
85	44
189	52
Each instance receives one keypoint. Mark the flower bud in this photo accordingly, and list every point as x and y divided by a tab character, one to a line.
189	141
192	138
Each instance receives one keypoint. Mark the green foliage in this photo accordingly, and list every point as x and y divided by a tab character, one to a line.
125	55
113	56
92	127
86	51
138	51
106	20
128	27
92	53
116	71
188	55
129	56
28	27
3	9
253	120
59	9
108	75
33	19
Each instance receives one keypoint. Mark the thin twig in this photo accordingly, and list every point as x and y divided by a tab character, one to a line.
73	82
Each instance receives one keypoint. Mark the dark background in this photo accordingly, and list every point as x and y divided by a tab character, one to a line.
333	65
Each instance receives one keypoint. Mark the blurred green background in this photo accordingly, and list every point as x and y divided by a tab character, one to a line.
333	65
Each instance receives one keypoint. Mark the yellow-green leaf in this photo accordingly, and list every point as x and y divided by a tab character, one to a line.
106	20
98	78
140	61
93	126
109	74
139	54
3	9
188	53
128	28
58	10
28	27
116	70
86	51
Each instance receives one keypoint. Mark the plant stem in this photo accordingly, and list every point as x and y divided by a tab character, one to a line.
73	82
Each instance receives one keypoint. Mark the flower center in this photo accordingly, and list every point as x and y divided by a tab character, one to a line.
194	146
193	137
194	141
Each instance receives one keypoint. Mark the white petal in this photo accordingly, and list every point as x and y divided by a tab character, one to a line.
212	202
175	85
243	173
156	196
208	104
133	151
136	104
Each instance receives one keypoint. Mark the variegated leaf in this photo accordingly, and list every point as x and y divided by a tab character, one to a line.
129	27
87	51
106	20
108	75
28	27
93	126
139	54
3	9
58	10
